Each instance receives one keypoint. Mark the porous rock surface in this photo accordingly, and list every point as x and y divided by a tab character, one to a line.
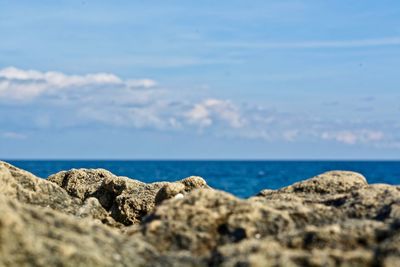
127	200
94	218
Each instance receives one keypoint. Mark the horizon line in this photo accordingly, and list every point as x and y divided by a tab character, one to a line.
198	159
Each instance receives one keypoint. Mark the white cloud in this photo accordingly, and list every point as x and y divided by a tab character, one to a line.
346	137
18	84
150	117
353	137
199	115
145	83
55	100
20	91
211	110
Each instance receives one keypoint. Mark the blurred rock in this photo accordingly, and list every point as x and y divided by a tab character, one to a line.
37	236
333	182
94	218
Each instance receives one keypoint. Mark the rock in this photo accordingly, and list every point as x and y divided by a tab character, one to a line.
388	250
169	191
136	202
332	182
193	182
37	236
332	197
126	200
92	208
205	219
180	188
268	252
378	201
93	218
347	235
81	183
301	211
27	188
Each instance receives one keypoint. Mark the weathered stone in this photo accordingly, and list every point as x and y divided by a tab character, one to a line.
332	182
204	219
81	183
346	235
126	200
92	208
376	201
303	213
334	219
27	188
267	252
180	188
169	191
37	236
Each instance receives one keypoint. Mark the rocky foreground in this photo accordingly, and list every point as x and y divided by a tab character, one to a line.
94	218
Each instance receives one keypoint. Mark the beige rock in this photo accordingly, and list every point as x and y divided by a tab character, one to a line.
27	188
127	200
268	252
377	201
332	182
206	218
334	219
37	236
180	188
81	183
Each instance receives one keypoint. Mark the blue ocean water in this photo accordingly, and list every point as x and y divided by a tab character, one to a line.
241	178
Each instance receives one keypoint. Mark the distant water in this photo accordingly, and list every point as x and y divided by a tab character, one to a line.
241	178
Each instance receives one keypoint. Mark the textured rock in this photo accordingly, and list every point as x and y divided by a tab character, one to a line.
268	252
332	182
36	236
205	219
27	188
334	219
180	188
126	199
81	183
378	201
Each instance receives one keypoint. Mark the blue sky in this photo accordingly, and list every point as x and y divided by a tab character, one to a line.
200	79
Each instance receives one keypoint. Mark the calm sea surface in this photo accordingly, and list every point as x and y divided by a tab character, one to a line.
242	178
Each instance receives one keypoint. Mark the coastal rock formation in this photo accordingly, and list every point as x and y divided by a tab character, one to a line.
333	182
206	219
127	200
36	236
27	188
94	218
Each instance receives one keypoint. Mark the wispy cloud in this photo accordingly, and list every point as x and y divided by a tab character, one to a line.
352	137
25	85
359	43
54	100
12	135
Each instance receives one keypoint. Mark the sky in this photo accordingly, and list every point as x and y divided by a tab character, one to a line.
287	79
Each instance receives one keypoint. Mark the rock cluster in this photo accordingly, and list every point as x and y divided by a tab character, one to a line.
125	200
94	218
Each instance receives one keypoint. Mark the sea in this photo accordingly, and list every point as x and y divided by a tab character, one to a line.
241	178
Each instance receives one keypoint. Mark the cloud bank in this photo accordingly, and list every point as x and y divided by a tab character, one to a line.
35	100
